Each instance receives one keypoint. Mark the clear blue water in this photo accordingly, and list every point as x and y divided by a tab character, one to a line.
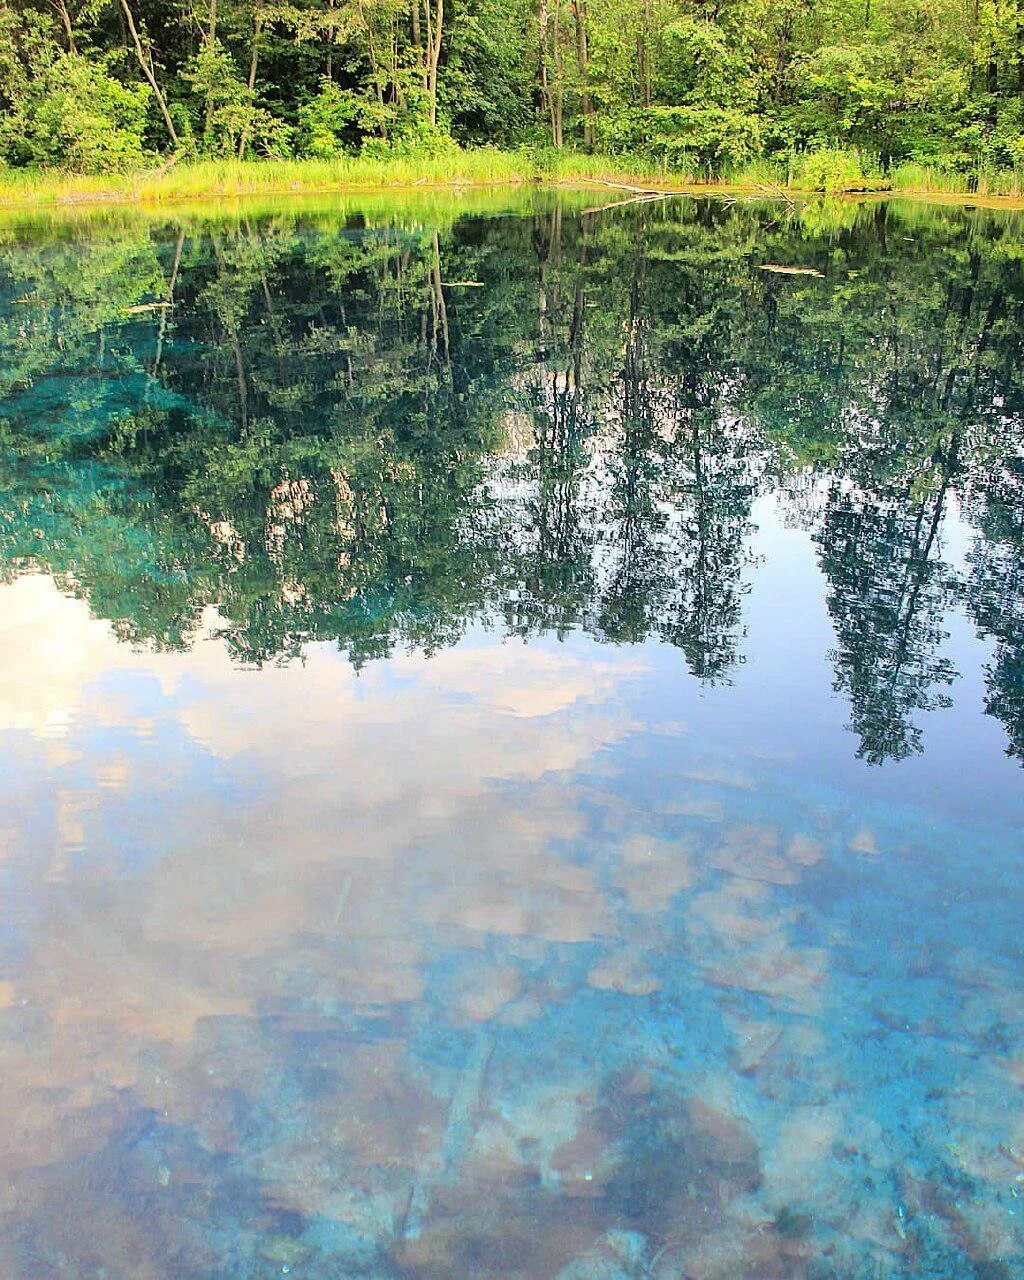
511	737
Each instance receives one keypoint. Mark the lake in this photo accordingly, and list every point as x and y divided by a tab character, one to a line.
511	740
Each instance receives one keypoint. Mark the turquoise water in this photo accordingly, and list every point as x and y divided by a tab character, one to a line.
511	741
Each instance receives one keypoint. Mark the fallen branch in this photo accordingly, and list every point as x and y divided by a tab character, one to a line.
644	197
779	193
792	271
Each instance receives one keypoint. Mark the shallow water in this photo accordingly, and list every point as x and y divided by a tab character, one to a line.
511	740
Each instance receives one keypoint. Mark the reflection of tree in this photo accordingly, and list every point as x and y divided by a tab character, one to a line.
637	579
684	470
680	485
716	482
913	432
880	550
376	435
888	595
994	589
639	481
553	570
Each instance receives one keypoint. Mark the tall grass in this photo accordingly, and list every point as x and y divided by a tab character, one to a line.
833	172
233	177
228	178
924	179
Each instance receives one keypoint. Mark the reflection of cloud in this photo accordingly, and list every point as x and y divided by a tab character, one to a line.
296	835
522	680
50	648
399	949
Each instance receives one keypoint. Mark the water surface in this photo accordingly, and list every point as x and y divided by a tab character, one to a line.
511	741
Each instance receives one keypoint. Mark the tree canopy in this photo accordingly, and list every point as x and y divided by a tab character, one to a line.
696	86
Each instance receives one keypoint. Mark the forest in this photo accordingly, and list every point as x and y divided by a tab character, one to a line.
805	89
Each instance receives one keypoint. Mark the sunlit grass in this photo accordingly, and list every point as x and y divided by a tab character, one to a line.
456	168
934	180
232	177
227	178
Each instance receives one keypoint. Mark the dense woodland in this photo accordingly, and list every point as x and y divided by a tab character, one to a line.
699	86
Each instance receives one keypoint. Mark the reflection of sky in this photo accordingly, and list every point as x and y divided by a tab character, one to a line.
378	970
781	699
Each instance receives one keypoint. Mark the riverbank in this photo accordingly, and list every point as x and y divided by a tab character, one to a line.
457	168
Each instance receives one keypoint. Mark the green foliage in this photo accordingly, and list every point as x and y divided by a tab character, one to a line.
230	118
846	92
327	122
835	170
488	87
705	65
681	86
418	139
76	115
692	140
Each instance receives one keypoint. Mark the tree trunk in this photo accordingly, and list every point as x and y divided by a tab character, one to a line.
438	305
69	31
146	63
434	12
212	37
644	56
257	24
371	50
579	13
417	43
552	78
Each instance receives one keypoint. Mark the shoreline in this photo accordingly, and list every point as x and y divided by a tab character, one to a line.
208	182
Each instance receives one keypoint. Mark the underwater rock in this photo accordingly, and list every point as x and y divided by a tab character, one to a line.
552	1136
285	1251
782	972
979	1229
491	1226
739	935
745	1245
558	902
724	1140
753	852
863	841
383	1113
754	1042
729	917
802	1146
684	1158
805	850
623	971
584	1163
1012	1154
481	994
526	1009
621	1255
651	872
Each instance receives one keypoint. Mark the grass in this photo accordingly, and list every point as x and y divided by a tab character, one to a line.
231	178
834	172
920	179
